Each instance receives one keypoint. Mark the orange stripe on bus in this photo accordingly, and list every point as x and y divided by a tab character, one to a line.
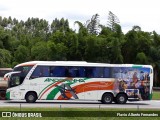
92	86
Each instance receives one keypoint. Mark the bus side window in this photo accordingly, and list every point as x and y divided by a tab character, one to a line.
106	72
67	72
52	71
25	70
89	72
81	72
96	72
36	73
57	71
76	71
73	72
46	71
40	71
99	72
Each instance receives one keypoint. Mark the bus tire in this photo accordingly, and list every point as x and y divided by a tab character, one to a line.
107	98
31	97
2	94
121	98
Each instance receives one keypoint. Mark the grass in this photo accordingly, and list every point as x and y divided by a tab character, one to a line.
156	95
71	110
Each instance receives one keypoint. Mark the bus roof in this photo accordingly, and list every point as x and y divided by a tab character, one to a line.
79	63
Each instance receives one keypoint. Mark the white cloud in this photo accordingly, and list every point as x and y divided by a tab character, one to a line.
135	12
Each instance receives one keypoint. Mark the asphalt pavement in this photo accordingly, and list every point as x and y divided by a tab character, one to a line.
153	104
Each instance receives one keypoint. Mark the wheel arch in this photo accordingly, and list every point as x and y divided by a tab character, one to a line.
107	93
31	92
117	98
107	98
122	93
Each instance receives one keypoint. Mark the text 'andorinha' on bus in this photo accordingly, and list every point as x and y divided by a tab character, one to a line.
74	80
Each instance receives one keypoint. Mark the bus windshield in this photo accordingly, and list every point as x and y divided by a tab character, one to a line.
23	69
18	77
15	79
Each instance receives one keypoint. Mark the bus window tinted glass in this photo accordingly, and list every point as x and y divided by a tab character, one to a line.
81	72
96	72
57	71
67	71
40	71
89	72
107	73
24	69
71	71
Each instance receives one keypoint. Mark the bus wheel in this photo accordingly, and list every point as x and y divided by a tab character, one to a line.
121	98
107	98
31	97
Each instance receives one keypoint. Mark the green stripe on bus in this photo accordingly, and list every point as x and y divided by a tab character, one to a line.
137	66
52	94
8	95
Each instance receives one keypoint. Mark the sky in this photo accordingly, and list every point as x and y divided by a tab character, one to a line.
144	13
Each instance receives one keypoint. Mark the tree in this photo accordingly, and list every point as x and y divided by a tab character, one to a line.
93	25
61	25
57	37
61	52
72	45
4	22
115	53
39	51
154	58
156	39
91	50
112	21
82	35
22	54
136	28
105	31
129	48
5	40
141	58
57	51
52	50
5	58
82	29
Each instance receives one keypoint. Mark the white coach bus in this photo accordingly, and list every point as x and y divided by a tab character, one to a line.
71	80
